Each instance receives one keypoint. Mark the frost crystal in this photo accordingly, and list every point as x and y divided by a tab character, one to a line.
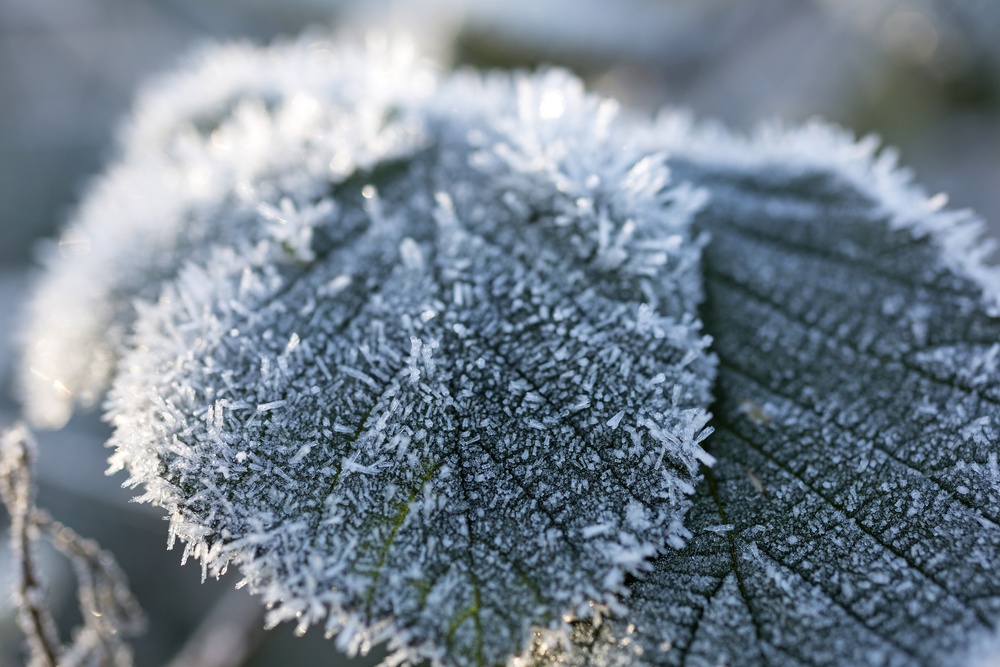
857	421
431	386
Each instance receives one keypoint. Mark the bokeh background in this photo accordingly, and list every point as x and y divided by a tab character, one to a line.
922	74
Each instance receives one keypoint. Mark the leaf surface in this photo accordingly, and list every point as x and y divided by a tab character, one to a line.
852	517
476	411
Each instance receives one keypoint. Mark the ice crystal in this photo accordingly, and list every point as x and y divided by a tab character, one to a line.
852	516
421	358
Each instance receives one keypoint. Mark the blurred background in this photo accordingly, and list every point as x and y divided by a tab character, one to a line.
922	74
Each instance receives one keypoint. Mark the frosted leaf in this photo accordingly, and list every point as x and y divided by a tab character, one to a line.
244	143
476	405
852	517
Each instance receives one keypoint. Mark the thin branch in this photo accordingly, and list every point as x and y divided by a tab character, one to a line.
17	454
110	612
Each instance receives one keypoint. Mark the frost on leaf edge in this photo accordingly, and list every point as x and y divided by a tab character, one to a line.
74	330
871	167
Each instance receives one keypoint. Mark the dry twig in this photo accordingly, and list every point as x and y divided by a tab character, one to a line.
110	612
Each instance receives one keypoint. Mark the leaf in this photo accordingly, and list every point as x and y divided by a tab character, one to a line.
852	517
473	403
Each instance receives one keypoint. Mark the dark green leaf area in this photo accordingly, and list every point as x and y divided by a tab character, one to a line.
853	517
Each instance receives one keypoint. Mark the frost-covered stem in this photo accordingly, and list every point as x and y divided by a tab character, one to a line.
227	636
107	606
16	457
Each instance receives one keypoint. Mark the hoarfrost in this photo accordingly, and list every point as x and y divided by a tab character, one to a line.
244	143
455	394
852	517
